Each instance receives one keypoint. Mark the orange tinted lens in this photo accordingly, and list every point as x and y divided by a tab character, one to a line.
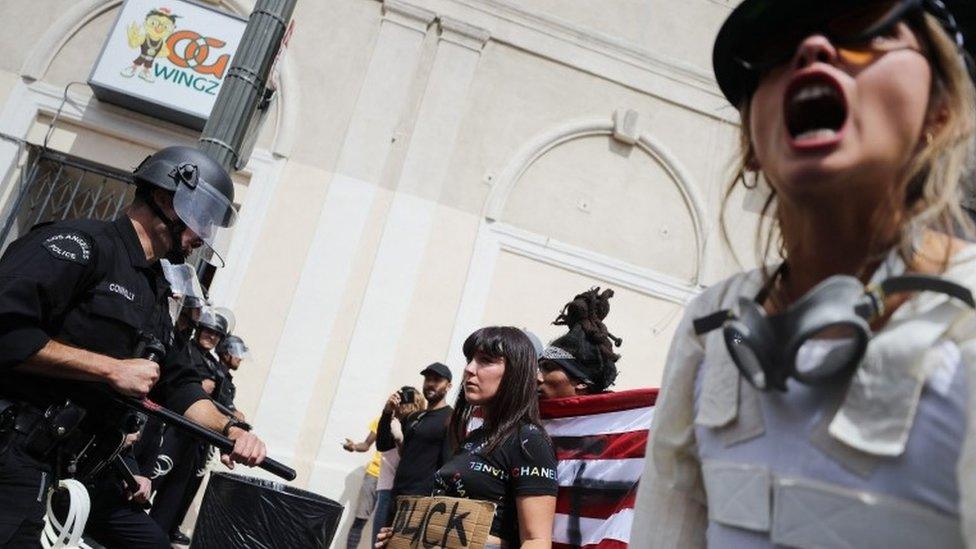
857	56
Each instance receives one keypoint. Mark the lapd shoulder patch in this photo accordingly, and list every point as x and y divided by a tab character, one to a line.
69	246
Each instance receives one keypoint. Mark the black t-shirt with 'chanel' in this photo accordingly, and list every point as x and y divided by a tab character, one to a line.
524	464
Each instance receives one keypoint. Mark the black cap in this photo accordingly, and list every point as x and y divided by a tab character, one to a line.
565	360
753	18
438	369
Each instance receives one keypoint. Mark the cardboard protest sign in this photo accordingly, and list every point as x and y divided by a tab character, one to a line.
441	522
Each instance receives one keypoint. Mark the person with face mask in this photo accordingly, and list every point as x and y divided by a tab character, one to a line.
79	301
422	449
582	361
828	400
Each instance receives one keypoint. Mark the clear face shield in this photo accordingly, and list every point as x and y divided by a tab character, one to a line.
229	319
184	285
205	211
213	319
235	347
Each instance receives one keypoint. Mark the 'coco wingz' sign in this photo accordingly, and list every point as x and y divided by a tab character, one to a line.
167	59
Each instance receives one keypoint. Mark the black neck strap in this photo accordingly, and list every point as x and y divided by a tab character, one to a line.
928	283
175	229
714	321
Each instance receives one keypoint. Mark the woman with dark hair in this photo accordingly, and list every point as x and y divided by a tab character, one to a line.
830	399
508	460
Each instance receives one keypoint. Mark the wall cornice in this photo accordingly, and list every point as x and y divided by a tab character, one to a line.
590	51
408	15
462	34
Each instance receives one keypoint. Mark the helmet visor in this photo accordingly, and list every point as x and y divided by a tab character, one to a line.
206	212
214	321
229	319
235	348
182	278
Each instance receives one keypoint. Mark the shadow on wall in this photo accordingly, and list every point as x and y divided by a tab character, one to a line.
348	497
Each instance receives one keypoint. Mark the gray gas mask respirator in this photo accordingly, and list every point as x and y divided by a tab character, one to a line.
822	337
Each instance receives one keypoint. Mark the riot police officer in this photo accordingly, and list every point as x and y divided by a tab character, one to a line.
180	465
77	298
231	352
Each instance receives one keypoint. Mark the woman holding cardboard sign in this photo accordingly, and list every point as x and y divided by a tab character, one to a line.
508	460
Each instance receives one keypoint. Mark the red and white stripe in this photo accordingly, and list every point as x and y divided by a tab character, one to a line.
600	441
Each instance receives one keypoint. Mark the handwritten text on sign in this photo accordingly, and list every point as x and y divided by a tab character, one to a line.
441	522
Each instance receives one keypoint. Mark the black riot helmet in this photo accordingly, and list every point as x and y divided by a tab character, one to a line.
217	319
203	197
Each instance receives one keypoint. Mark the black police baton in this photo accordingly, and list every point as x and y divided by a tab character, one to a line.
154	351
200	432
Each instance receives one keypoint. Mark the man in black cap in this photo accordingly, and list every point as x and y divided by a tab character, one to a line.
424	434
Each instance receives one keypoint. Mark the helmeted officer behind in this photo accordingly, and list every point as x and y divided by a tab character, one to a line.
231	352
180	465
76	300
188	300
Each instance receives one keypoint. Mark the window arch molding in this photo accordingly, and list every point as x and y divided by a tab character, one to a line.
623	127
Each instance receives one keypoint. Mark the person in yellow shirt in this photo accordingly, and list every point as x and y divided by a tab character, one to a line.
367	492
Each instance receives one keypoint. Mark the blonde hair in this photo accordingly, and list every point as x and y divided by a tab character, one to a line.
933	179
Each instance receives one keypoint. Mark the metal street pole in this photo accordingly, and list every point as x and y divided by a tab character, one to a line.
246	81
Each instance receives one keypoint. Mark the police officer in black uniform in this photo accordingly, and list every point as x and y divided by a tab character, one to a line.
181	463
231	352
77	301
188	300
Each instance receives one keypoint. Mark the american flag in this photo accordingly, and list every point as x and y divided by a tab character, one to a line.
600	441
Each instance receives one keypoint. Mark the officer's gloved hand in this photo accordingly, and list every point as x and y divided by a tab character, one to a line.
134	377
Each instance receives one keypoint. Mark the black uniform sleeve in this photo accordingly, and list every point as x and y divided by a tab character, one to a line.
532	461
40	275
384	434
179	382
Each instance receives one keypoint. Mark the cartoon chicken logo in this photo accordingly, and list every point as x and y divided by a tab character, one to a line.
151	41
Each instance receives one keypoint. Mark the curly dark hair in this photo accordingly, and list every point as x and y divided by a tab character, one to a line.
589	340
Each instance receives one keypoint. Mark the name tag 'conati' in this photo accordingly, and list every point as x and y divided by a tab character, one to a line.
451	523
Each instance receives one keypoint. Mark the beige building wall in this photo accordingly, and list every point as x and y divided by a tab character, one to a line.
431	166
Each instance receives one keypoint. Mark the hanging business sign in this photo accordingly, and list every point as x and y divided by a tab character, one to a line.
167	59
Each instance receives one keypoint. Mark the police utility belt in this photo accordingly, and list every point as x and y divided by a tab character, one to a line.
55	435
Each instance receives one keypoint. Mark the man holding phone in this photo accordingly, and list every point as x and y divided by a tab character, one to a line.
423	434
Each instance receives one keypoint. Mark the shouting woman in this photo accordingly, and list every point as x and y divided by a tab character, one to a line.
829	400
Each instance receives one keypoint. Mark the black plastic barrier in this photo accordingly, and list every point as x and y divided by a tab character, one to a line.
244	512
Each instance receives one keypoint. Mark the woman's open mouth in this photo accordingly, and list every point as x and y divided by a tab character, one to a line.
816	111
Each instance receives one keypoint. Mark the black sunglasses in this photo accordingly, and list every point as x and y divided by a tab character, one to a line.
768	32
850	28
